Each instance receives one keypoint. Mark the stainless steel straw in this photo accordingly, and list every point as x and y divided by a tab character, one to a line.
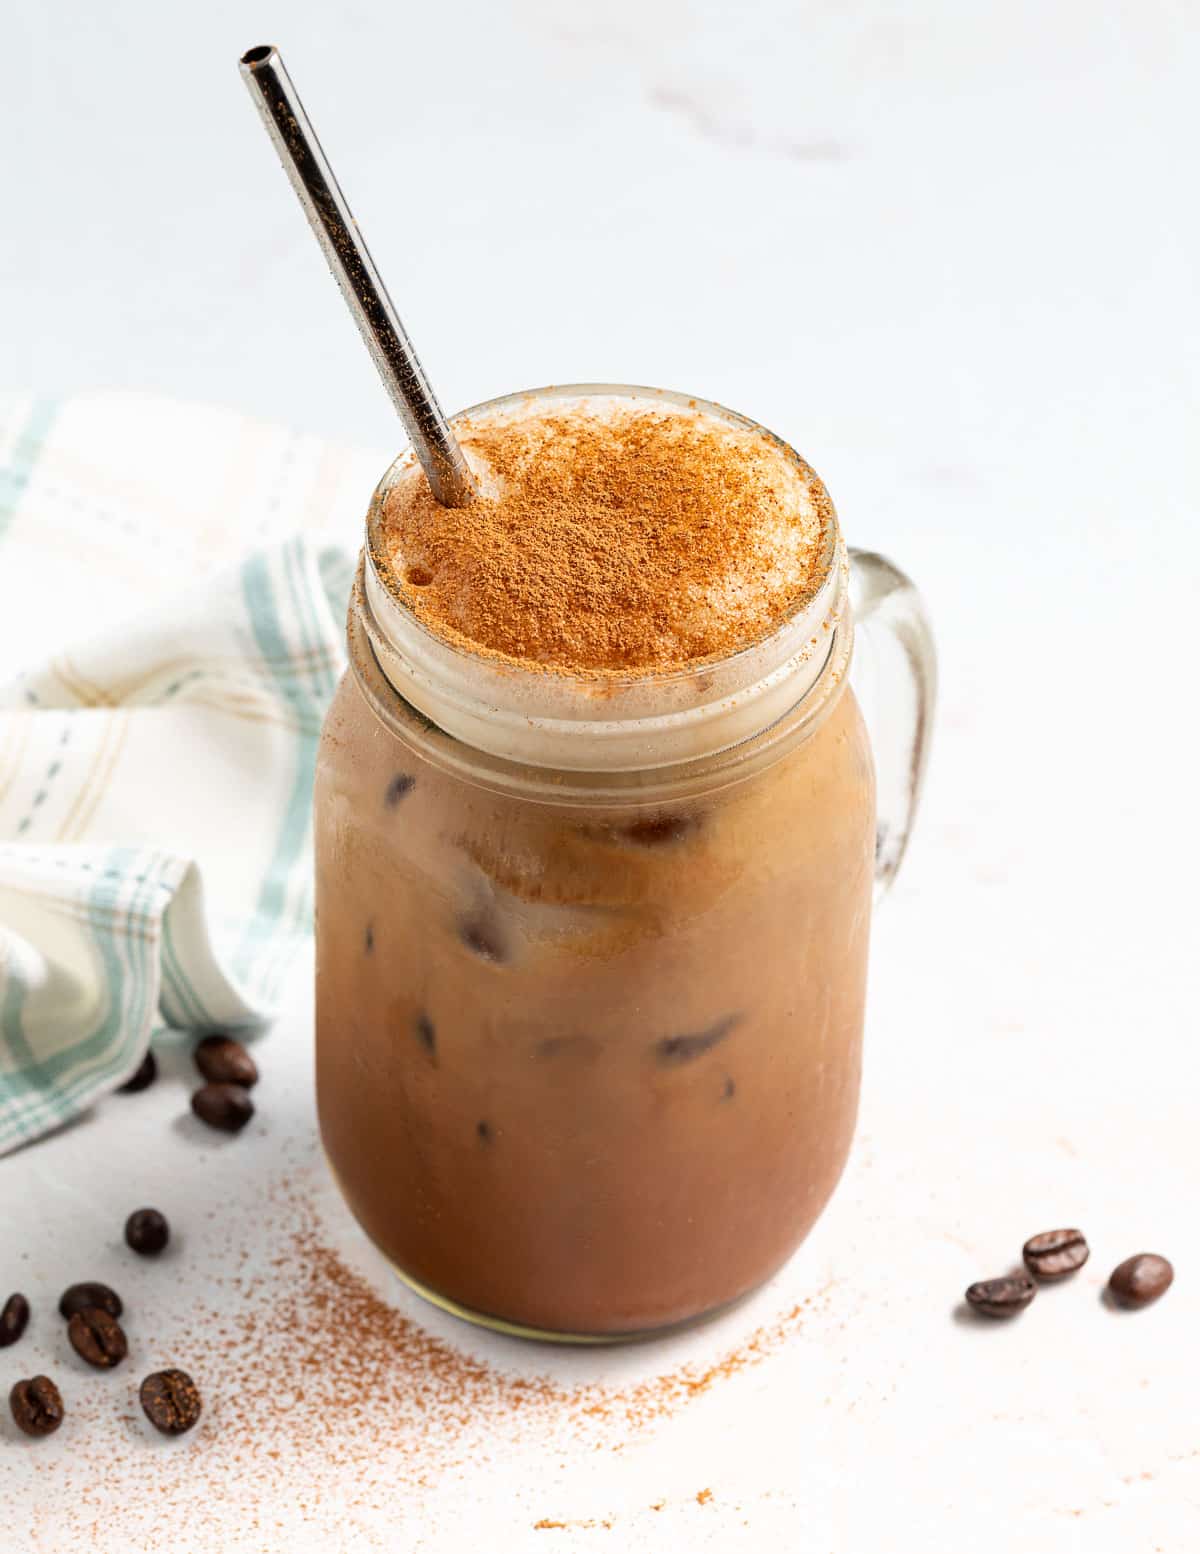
354	270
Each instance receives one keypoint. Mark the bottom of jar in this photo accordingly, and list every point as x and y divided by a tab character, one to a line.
545	1335
549	1335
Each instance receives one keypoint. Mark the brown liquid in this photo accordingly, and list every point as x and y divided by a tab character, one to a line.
591	1072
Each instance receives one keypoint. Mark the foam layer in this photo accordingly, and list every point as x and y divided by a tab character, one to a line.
613	535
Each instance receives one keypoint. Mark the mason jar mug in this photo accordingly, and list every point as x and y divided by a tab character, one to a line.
591	961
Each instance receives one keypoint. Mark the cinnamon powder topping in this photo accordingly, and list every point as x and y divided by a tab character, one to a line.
610	536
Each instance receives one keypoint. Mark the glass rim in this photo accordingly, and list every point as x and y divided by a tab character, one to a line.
569	787
604	679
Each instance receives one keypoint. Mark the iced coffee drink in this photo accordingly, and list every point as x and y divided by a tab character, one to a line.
595	819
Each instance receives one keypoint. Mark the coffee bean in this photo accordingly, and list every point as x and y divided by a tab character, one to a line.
170	1401
224	1061
147	1231
426	1034
1055	1253
1141	1279
673	1050
14	1319
400	784
97	1338
482	935
1002	1297
147	1073
227	1107
78	1297
37	1406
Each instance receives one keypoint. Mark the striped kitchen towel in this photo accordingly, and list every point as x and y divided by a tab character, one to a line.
173	585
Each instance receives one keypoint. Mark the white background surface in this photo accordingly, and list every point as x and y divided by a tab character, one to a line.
950	251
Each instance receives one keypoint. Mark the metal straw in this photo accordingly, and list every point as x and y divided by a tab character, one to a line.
354	270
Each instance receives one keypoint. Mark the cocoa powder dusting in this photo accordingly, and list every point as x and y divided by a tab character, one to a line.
610	539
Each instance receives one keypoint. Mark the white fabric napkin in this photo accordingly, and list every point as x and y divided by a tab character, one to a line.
173	585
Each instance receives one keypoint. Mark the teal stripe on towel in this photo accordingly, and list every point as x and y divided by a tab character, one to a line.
14	476
259	594
51	1083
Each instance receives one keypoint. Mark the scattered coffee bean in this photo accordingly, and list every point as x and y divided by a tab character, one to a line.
147	1231
145	1076
484	1130
659	831
672	1050
37	1406
14	1319
1002	1297
97	1338
369	939
78	1297
1055	1253
426	1034
400	784
227	1107
482	935
224	1061
170	1401
1140	1280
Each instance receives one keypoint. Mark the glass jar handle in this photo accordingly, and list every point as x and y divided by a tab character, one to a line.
895	677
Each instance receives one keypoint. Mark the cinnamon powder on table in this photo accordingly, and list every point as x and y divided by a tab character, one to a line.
323	1397
610	537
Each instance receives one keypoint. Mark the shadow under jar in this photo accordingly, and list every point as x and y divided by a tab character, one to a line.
591	961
